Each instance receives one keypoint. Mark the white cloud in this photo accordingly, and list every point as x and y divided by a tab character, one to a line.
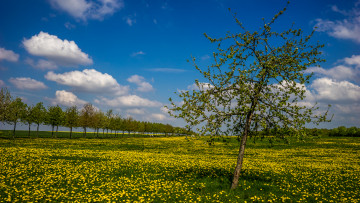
67	99
164	110
41	64
69	26
60	52
338	72
136	111
343	29
203	86
140	82
353	60
27	83
2	83
329	90
129	101
89	80
158	116
8	55
137	53
130	20
205	57
84	10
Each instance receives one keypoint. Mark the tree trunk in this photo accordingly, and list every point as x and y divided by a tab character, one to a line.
56	134
240	159
52	131
37	130
14	130
29	130
70	132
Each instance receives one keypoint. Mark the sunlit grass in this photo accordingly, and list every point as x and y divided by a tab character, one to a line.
177	169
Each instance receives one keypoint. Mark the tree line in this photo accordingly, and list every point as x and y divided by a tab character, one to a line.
14	111
340	131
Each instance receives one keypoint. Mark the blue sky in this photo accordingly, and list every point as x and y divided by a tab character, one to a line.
131	56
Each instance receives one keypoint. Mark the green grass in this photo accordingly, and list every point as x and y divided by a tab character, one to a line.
178	169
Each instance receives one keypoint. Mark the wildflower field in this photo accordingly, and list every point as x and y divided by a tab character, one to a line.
178	169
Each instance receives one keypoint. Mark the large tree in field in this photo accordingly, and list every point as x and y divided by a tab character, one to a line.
256	83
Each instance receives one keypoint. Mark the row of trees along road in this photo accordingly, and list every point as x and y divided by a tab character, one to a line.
15	111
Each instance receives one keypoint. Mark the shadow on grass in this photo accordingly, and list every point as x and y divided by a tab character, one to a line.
216	179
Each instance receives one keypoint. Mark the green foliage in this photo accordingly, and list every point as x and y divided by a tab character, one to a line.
39	114
256	82
55	117
342	131
15	112
5	100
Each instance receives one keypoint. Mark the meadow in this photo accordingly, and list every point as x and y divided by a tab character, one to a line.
178	169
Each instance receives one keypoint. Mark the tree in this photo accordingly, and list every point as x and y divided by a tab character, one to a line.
5	100
86	114
256	83
98	121
15	112
39	115
54	118
71	118
28	117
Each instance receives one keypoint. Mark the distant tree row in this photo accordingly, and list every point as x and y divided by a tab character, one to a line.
341	131
15	111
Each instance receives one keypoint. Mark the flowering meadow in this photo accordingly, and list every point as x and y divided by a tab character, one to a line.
178	169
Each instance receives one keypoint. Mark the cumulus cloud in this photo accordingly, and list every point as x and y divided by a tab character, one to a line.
8	55
329	90
353	60
27	84
338	72
349	70
348	28
84	9
129	101
59	52
65	98
136	111
140	82
157	116
41	64
203	86
89	80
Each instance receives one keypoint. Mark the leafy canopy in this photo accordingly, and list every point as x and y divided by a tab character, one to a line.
256	82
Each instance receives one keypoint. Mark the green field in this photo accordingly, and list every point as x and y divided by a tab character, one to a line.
178	169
